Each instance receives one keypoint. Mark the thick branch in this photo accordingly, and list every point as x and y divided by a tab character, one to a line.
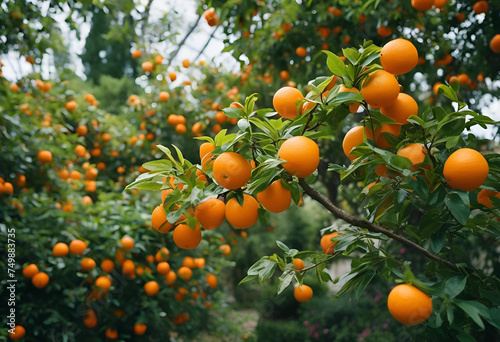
184	40
373	227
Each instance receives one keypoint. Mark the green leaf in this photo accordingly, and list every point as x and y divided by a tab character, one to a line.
250	102
282	246
284	280
145	185
450	314
351	54
455	285
361	286
247	279
473	309
464	337
335	64
448	92
235	113
457	207
179	155
158	165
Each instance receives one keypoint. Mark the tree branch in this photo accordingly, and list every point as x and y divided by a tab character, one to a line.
373	227
184	40
206	44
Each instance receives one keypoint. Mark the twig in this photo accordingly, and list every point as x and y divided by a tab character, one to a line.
317	264
206	44
373	227
184	40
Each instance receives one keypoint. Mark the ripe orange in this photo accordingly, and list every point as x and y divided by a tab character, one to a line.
151	288
422	5
136	54
301	51
380	89
159	220
354	137
384	31
87	264
298	264
164	96
40	280
111	333
30	271
242	216
285	102
60	249
81	151
199	262
415	152
205	150
81	130
185	273
71	105
107	265
103	282
147	66
409	305
353	108
231	170
90	318
381	171
187	238
211	280
77	247
495	44
163	267
440	3
172	75
380	140
18	333
399	56
480	7
301	155
163	254
44	157
303	293
127	243
225	248
465	169
275	197
210	213
284	75
170	278
483	197
140	329
327	244
106	137
128	267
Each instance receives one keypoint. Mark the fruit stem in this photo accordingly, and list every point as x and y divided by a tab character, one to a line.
373	227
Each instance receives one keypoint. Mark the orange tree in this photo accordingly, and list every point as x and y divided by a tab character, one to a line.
426	189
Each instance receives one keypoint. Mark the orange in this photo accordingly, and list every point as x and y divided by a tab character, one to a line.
284	75
231	170
495	44
298	264
30	271
220	117
148	66
380	140
415	152
180	129
164	96
384	31
465	169
136	54
71	105
40	280
399	56
106	137
422	5
86	200
210	213
60	249
81	151
303	293
435	88
275	197
327	245
75	175
107	265
81	130
409	305
301	51
354	137
170	277
483	197
18	333
480	7
211	280
87	264
242	216
205	154
159	220
103	282
140	329
163	254
381	171
128	267
380	89
186	63
440	3
185	273
90	318
187	238
8	188
225	248
353	108
44	157
172	75
77	247
163	267
127	243
111	333
285	102
301	155
199	262
151	288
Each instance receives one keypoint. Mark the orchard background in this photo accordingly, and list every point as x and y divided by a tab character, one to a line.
151	181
